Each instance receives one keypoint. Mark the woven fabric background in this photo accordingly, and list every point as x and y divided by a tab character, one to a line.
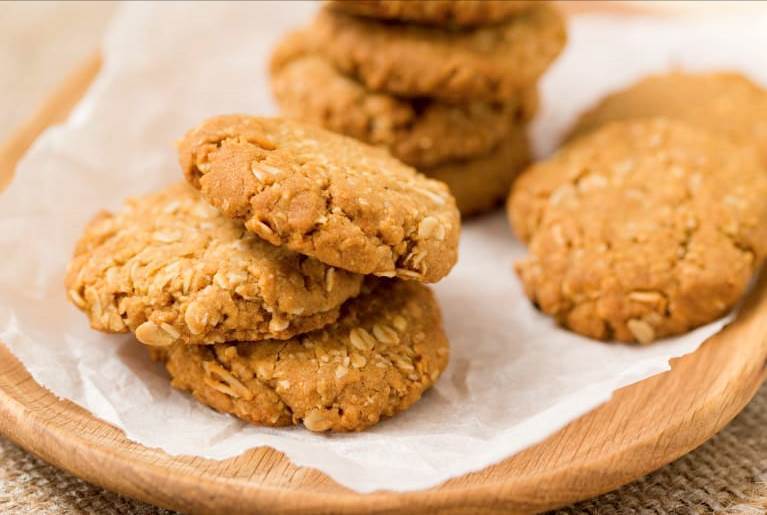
726	475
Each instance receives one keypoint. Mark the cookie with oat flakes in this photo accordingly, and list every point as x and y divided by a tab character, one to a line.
447	13
491	62
421	132
725	102
328	196
641	229
385	350
172	269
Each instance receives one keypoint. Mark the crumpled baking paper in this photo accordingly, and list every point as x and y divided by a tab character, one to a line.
514	377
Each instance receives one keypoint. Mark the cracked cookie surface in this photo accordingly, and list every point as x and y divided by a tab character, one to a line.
490	63
172	269
642	229
482	183
345	203
727	103
386	349
420	132
449	13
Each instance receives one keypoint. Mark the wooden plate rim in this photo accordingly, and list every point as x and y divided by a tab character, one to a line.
21	418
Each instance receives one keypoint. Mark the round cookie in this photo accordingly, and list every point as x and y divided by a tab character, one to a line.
386	349
345	203
450	13
172	269
488	63
420	132
641	230
728	103
480	184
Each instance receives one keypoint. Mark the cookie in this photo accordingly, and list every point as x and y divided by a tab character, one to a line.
641	230
345	203
173	270
387	348
447	13
728	103
481	184
490	63
420	132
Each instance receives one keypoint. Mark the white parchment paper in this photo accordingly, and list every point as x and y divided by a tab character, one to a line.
514	377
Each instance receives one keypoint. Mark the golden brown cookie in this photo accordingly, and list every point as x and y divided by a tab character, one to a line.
173	270
448	13
487	63
421	132
641	230
345	203
728	103
387	348
481	184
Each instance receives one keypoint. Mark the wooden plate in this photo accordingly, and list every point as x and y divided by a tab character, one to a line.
643	427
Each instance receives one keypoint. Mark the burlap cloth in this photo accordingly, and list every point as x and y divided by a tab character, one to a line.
728	474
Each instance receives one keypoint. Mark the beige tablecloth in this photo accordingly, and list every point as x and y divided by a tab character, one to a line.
728	474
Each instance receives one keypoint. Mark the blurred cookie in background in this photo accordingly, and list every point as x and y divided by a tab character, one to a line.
489	62
482	183
421	132
446	13
448	86
725	102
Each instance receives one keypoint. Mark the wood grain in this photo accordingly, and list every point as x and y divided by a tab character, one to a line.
643	427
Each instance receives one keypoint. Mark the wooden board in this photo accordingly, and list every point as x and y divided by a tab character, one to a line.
642	428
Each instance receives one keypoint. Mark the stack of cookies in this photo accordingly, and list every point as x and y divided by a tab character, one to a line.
652	220
447	86
641	229
282	282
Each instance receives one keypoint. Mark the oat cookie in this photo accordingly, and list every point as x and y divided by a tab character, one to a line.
450	13
345	203
387	348
420	132
482	183
488	63
728	103
642	229
172	269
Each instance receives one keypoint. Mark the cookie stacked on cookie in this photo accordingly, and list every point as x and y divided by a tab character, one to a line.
446	86
641	229
283	282
727	103
651	221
